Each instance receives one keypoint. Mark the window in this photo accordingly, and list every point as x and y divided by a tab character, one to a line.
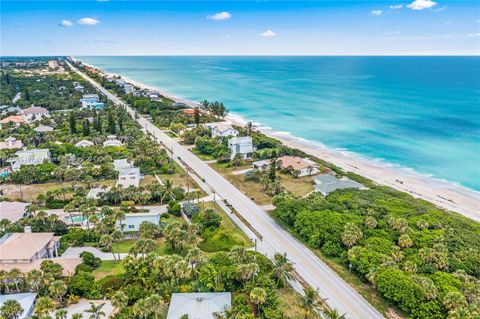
131	226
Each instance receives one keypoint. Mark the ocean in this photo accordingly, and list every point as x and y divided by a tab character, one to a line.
420	113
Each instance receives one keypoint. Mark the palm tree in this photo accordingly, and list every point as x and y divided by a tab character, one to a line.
155	304
119	300
351	234
96	311
453	300
43	306
334	314
4	280
57	290
282	268
238	253
167	191
140	310
106	242
310	301
246	272
258	296
404	241
13	276
68	209
11	309
77	316
61	314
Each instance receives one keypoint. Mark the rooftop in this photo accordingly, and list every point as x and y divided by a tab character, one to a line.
198	305
43	128
12	211
12	118
68	265
34	110
23	245
26	301
326	183
240	140
295	162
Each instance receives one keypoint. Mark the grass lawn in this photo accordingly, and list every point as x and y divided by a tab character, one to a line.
107	268
203	157
30	192
296	186
290	304
366	290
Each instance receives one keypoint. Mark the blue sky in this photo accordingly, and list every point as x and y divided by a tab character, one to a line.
114	27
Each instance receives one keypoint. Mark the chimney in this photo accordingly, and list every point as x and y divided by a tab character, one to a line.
27	229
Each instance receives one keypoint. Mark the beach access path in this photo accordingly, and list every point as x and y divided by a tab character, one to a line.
273	238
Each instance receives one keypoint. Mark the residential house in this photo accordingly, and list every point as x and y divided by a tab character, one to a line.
26	301
120	82
326	184
222	129
262	165
11	142
9	109
132	221
120	164
31	157
204	305
128	88
84	143
241	145
79	88
17	120
34	113
13	211
91	101
26	247
112	141
298	166
179	104
43	129
129	177
189	112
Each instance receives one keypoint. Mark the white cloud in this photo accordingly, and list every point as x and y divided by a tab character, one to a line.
88	21
396	6
65	23
393	33
268	34
474	34
220	16
421	4
376	13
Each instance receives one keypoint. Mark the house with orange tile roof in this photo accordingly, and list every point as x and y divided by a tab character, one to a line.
17	120
298	166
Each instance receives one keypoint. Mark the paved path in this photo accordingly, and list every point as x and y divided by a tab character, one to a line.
241	172
74	252
275	239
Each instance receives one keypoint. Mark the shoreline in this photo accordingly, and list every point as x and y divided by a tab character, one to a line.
442	193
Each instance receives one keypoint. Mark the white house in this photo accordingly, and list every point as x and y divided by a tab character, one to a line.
222	129
262	165
129	177
90	101
298	166
112	141
326	184
241	145
132	221
11	142
120	82
120	164
43	129
128	88
84	143
34	113
204	305
26	301
31	157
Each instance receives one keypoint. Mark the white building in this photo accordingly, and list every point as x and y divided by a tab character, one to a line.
11	142
31	157
128	88
84	143
79	88
120	82
34	113
241	145
43	129
222	129
120	164
200	305
26	301
262	165
129	177
298	166
133	221
112	141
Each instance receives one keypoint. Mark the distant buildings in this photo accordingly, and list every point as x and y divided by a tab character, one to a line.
53	64
129	177
120	82
34	113
179	104
133	221
298	166
43	129
112	141
10	143
241	145
31	157
128	88
91	101
79	88
26	301
84	143
16	120
326	184
204	305
222	129
9	109
13	211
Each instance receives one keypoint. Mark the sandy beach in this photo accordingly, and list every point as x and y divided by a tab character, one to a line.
443	194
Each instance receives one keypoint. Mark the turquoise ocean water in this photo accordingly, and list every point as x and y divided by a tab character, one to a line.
421	113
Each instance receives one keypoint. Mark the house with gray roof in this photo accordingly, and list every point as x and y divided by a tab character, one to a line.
26	301
326	184
202	305
241	145
31	157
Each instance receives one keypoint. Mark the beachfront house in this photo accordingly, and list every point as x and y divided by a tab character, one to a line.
84	143
204	305
34	113
179	104
132	221
128	88
120	82
241	145
222	129
129	177
12	211
91	101
326	184
262	165
120	164
31	157
10	143
26	301
43	129
112	141
298	166
15	120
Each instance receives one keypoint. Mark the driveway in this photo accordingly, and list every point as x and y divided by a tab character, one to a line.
74	252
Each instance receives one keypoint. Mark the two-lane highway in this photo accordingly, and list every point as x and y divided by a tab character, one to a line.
274	238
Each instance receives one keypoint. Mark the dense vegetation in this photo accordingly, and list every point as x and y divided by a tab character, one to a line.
421	259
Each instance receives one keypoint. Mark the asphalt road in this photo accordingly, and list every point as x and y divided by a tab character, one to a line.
274	238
